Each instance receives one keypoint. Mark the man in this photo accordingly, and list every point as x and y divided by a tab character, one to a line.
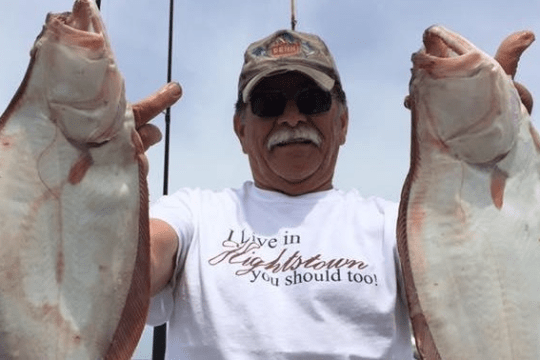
286	267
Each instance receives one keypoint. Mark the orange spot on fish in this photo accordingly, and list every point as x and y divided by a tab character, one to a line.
498	182
6	141
79	169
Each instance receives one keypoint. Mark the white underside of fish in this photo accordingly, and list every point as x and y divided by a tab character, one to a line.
469	227
70	198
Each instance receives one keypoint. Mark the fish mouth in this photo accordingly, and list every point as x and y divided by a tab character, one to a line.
80	28
85	90
85	56
301	135
441	42
447	54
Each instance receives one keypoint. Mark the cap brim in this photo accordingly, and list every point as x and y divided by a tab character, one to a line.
322	79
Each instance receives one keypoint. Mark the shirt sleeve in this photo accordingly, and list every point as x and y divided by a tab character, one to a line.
177	210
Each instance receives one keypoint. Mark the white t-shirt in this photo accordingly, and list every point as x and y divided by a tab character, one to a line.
262	275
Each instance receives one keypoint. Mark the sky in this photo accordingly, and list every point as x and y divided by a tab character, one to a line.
371	40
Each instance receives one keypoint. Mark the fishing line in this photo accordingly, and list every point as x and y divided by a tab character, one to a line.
160	332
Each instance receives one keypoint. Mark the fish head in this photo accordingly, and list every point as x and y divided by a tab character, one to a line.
84	88
467	103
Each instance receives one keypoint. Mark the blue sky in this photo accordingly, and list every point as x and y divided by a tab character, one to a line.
371	40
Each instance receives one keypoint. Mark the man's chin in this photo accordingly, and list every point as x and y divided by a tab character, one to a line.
296	180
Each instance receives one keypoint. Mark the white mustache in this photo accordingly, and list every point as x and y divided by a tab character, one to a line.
297	134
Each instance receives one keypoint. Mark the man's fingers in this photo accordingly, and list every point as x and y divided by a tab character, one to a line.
508	56
147	109
525	96
511	49
149	134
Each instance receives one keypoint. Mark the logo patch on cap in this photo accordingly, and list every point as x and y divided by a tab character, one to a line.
285	47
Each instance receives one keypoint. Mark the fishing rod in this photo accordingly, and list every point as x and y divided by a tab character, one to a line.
159	343
293	15
168	111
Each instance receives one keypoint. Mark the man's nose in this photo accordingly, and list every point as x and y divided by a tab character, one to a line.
291	115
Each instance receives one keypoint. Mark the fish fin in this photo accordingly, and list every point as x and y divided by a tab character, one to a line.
498	182
424	339
80	167
133	318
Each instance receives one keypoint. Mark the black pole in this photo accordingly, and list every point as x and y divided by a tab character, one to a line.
168	111
98	3
160	342
160	332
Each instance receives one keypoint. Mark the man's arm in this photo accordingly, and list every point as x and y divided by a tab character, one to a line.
163	250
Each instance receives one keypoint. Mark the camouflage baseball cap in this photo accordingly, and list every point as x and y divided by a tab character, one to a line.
287	50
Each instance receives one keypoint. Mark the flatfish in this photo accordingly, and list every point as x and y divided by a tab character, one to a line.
74	242
469	221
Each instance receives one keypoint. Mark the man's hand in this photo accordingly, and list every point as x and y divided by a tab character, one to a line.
508	56
147	109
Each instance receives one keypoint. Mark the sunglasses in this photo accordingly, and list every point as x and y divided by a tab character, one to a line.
271	103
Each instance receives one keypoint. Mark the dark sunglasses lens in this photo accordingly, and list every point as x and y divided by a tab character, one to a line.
268	104
314	101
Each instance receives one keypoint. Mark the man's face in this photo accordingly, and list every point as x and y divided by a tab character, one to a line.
293	152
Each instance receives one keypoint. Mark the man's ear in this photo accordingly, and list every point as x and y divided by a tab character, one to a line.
344	120
239	127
